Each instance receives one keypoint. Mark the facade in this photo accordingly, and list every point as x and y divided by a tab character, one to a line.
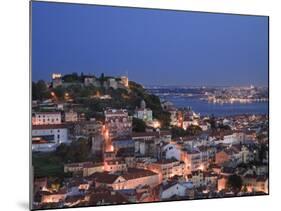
255	184
125	81
197	178
131	179
188	123
222	157
97	144
143	113
208	154
89	81
70	116
230	154
192	159
83	168
112	83
46	118
222	181
170	151
116	165
56	80
171	190
168	168
48	137
88	128
174	117
146	143
118	122
124	146
231	137
53	197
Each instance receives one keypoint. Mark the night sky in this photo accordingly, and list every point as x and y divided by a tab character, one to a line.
155	47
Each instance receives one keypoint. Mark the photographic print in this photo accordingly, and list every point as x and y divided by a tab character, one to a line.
136	105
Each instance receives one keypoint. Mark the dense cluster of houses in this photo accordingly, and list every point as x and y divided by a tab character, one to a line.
151	165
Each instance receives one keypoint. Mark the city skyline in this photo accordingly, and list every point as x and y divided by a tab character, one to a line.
154	47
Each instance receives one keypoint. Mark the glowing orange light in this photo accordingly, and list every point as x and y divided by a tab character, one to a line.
106	133
98	94
201	167
111	148
156	124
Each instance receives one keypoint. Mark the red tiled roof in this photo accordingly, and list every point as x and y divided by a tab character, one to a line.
104	177
134	173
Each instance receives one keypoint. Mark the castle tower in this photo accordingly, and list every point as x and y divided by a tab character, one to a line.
143	104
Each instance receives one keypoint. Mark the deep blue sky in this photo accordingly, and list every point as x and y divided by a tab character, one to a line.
155	47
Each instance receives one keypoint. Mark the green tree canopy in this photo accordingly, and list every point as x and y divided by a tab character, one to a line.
138	125
70	78
177	132
40	90
193	130
234	183
77	151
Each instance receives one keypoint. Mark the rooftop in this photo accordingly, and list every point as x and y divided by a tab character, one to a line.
51	126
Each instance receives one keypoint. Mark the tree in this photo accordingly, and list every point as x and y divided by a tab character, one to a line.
244	189
39	90
224	127
77	151
177	132
55	186
234	183
62	150
193	130
59	92
212	122
82	77
261	137
102	78
262	152
69	78
138	125
163	117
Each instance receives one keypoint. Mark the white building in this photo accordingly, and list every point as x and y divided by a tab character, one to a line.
146	142
176	189
125	81
89	80
168	168
48	137
118	122
230	138
131	179
171	151
188	123
192	159
115	166
173	116
46	118
143	113
71	116
56	79
205	126
112	83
